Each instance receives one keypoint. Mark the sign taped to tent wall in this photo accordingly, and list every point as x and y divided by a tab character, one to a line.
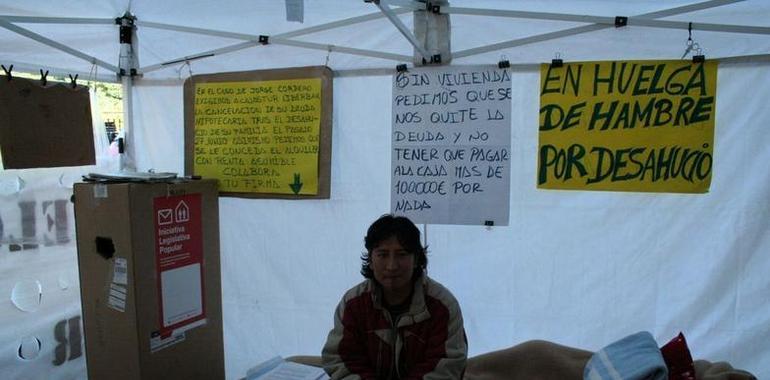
262	134
451	145
643	126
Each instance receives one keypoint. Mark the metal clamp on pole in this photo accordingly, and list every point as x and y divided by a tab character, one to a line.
264	40
126	27
621	21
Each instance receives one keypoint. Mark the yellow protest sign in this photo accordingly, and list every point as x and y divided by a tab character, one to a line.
627	126
260	136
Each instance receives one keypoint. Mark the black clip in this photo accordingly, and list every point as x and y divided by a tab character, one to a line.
74	80
126	24
435	58
401	68
264	40
557	62
621	21
8	72
503	64
698	58
432	8
131	72
124	36
43	77
489	223
121	145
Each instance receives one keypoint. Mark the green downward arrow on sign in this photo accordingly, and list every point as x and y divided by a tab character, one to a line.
297	185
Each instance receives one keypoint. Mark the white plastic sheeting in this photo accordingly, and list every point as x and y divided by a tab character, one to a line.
41	335
578	268
39	286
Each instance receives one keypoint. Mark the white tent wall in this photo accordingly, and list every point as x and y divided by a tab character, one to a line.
577	268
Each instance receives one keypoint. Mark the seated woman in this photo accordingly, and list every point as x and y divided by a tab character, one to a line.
398	323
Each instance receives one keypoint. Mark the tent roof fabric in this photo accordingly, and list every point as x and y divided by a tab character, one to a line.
580	268
518	39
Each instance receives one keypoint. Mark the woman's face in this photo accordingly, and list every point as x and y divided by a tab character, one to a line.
393	267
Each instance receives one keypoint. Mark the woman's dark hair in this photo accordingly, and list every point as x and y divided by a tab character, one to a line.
407	234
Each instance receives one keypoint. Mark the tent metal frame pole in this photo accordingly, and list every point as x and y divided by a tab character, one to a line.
127	159
244	36
603	20
56	45
194	30
205	54
515	67
411	4
58	20
340	23
587	28
340	49
403	29
278	39
724	28
129	61
689	8
527	40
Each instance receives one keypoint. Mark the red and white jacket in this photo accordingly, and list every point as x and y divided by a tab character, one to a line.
428	340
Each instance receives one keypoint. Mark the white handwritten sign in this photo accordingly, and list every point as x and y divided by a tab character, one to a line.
451	145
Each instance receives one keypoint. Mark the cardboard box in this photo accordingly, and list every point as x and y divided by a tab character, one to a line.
150	279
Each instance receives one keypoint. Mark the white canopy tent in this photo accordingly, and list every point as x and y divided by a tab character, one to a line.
577	268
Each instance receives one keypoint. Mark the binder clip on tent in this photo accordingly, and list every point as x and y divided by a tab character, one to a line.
693	47
557	61
8	72
504	63
43	78
74	80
